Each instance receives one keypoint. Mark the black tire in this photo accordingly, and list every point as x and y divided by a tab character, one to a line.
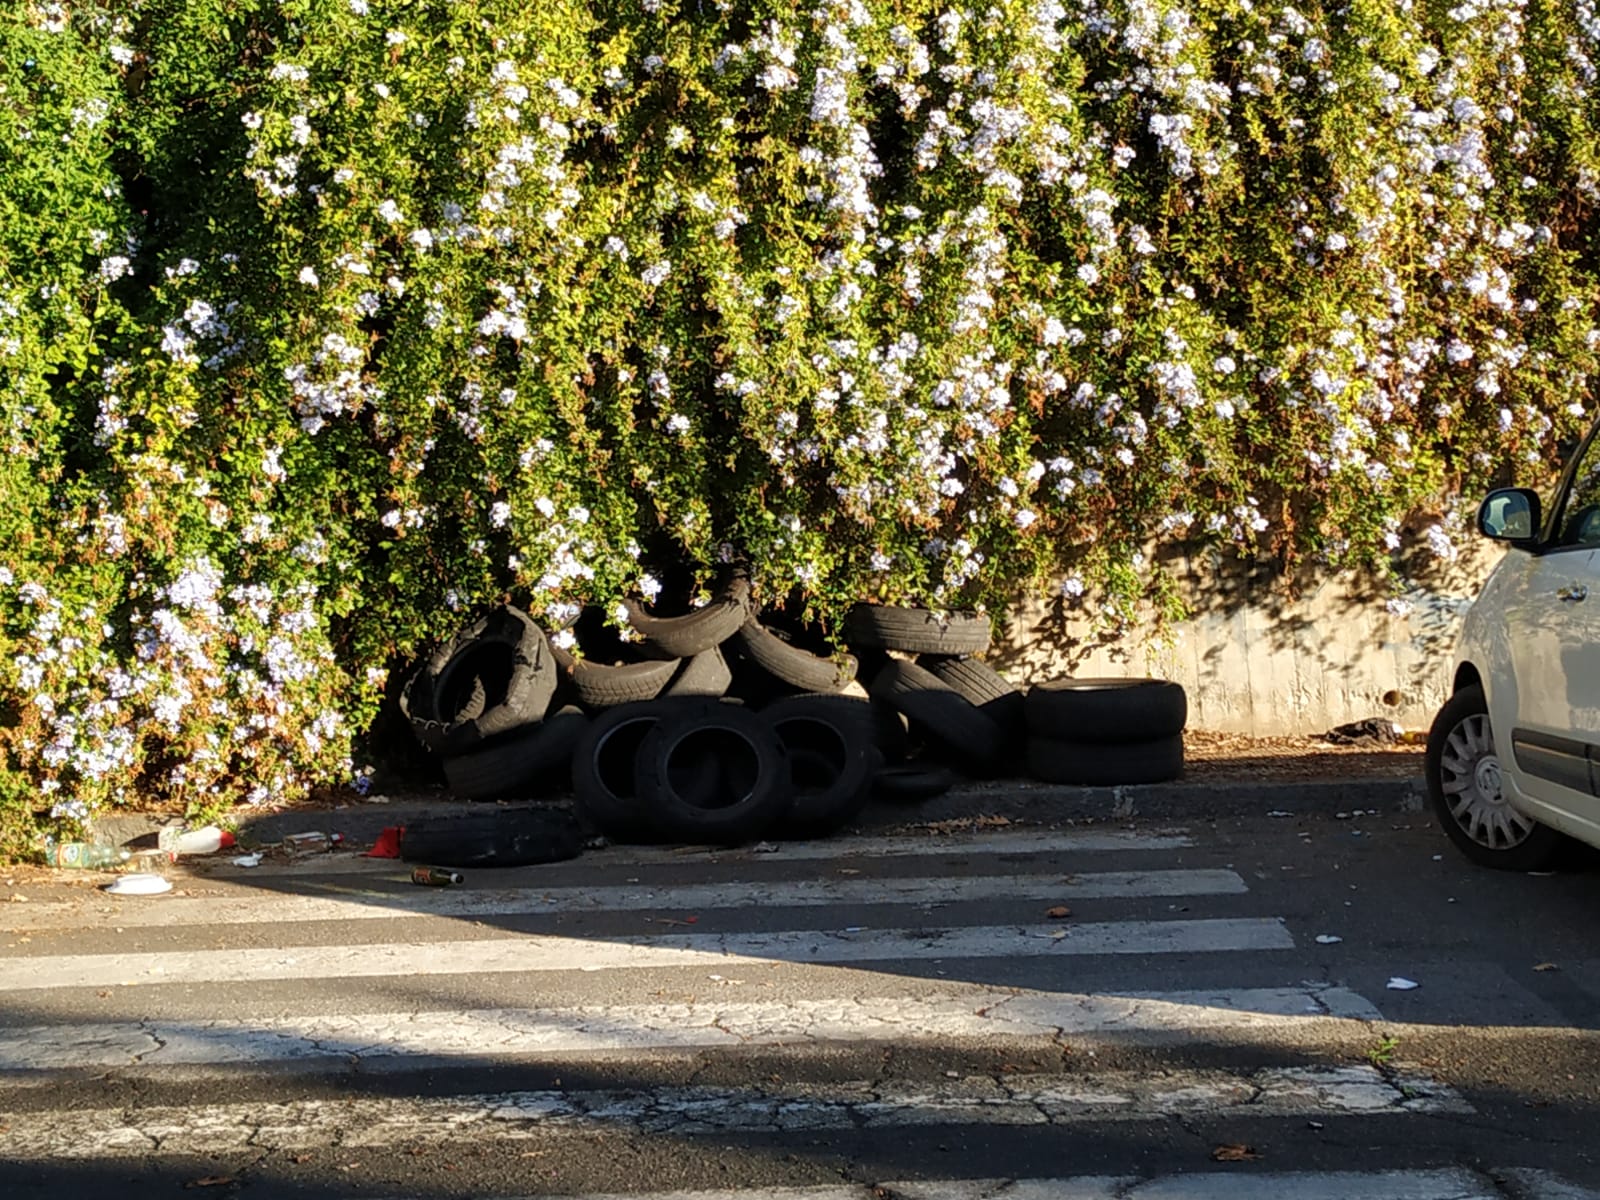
746	797
792	666
524	764
911	783
1106	710
890	733
987	688
916	630
1101	764
953	729
828	740
507	837
498	676
1454	783
691	634
602	687
416	706
604	769
706	674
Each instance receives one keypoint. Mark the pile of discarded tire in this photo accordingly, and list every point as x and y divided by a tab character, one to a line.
721	730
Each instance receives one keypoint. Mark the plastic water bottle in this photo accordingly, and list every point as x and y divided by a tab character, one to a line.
84	856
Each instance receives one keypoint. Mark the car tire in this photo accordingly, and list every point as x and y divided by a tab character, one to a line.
985	687
706	674
524	764
691	634
828	741
1106	710
605	770
953	727
498	676
1463	774
1105	764
916	630
507	837
790	665
602	687
747	795
911	783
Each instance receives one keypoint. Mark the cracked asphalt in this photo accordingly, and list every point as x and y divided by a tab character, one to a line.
769	1068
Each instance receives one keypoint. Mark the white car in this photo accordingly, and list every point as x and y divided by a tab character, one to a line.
1514	755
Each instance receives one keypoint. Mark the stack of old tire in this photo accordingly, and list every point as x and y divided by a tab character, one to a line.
721	729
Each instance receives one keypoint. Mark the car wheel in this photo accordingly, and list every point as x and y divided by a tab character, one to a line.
1463	772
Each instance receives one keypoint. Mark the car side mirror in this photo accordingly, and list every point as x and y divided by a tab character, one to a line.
1510	515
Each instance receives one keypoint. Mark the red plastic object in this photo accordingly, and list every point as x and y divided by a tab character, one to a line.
387	845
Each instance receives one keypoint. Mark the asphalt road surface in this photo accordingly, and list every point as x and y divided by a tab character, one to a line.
1185	1011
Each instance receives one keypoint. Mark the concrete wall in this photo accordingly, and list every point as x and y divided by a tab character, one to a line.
1260	657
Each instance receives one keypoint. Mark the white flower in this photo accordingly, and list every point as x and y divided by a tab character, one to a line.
391	519
544	507
390	212
649	587
422	239
499	514
1335	241
1224	365
359	7
1089	273
308	276
252	120
678	423
1025	518
655	276
394	37
1072	586
121	55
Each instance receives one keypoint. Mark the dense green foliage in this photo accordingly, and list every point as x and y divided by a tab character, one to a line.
325	322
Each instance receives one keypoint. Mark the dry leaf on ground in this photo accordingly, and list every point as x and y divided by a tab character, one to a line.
1058	912
1234	1153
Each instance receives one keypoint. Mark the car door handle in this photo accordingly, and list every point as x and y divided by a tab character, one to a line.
1574	593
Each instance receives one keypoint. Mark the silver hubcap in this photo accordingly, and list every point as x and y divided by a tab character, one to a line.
1469	773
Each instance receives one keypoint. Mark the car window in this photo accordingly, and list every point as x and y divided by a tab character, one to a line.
1579	524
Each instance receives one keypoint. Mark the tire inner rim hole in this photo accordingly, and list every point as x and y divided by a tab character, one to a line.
817	753
493	663
616	755
713	768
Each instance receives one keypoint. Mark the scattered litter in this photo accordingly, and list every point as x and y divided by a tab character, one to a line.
18	898
210	1181
952	1074
1278	812
1373	729
714	978
388	843
374	799
436	877
848	871
1546	967
247	860
671	921
1059	912
309	842
764	848
1438	858
1398	983
1234	1153
138	885
1343	816
1328	939
855	928
1313	1124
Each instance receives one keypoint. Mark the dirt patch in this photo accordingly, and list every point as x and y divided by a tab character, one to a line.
1223	757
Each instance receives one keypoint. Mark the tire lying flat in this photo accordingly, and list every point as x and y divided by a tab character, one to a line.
1106	710
1103	764
601	687
791	665
507	837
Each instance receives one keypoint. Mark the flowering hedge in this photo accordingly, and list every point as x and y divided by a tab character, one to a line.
325	322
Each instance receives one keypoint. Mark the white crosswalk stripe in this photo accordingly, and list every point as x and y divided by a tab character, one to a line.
383	977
